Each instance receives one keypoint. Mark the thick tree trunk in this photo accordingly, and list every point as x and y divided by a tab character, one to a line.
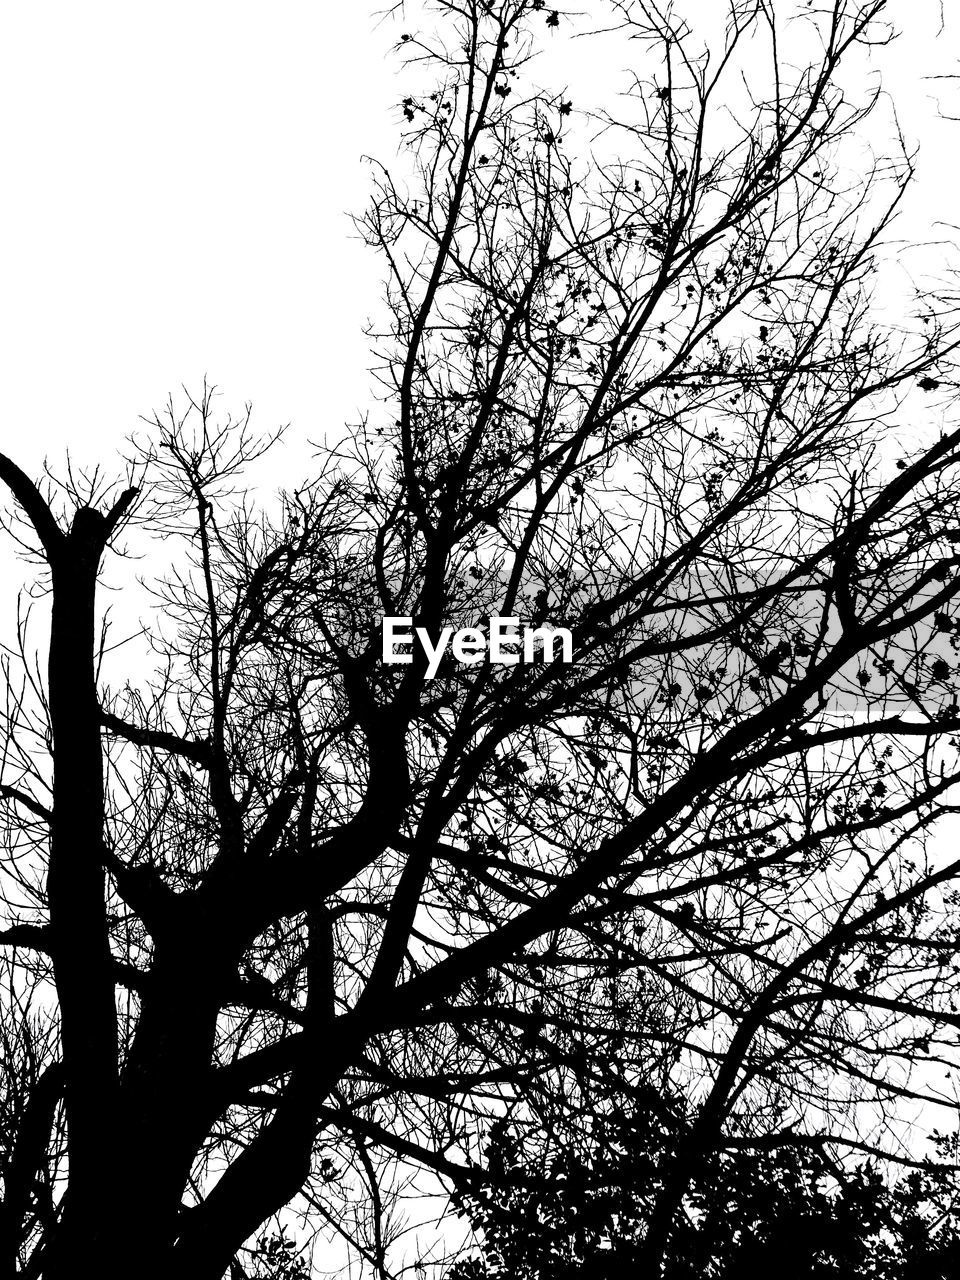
112	1220
77	905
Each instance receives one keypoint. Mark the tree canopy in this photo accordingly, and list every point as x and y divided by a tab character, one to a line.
290	928
554	1210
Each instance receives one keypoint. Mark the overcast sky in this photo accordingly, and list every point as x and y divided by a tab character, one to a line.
176	179
175	183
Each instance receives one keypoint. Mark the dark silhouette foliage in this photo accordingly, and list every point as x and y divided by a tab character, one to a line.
582	1208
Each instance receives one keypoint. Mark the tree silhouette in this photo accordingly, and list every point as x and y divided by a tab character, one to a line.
581	1207
289	925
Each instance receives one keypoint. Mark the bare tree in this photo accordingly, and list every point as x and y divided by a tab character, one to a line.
295	923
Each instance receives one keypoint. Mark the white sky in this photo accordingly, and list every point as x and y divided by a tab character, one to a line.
176	179
175	182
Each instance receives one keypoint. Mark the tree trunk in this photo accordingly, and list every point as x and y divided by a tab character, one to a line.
78	915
